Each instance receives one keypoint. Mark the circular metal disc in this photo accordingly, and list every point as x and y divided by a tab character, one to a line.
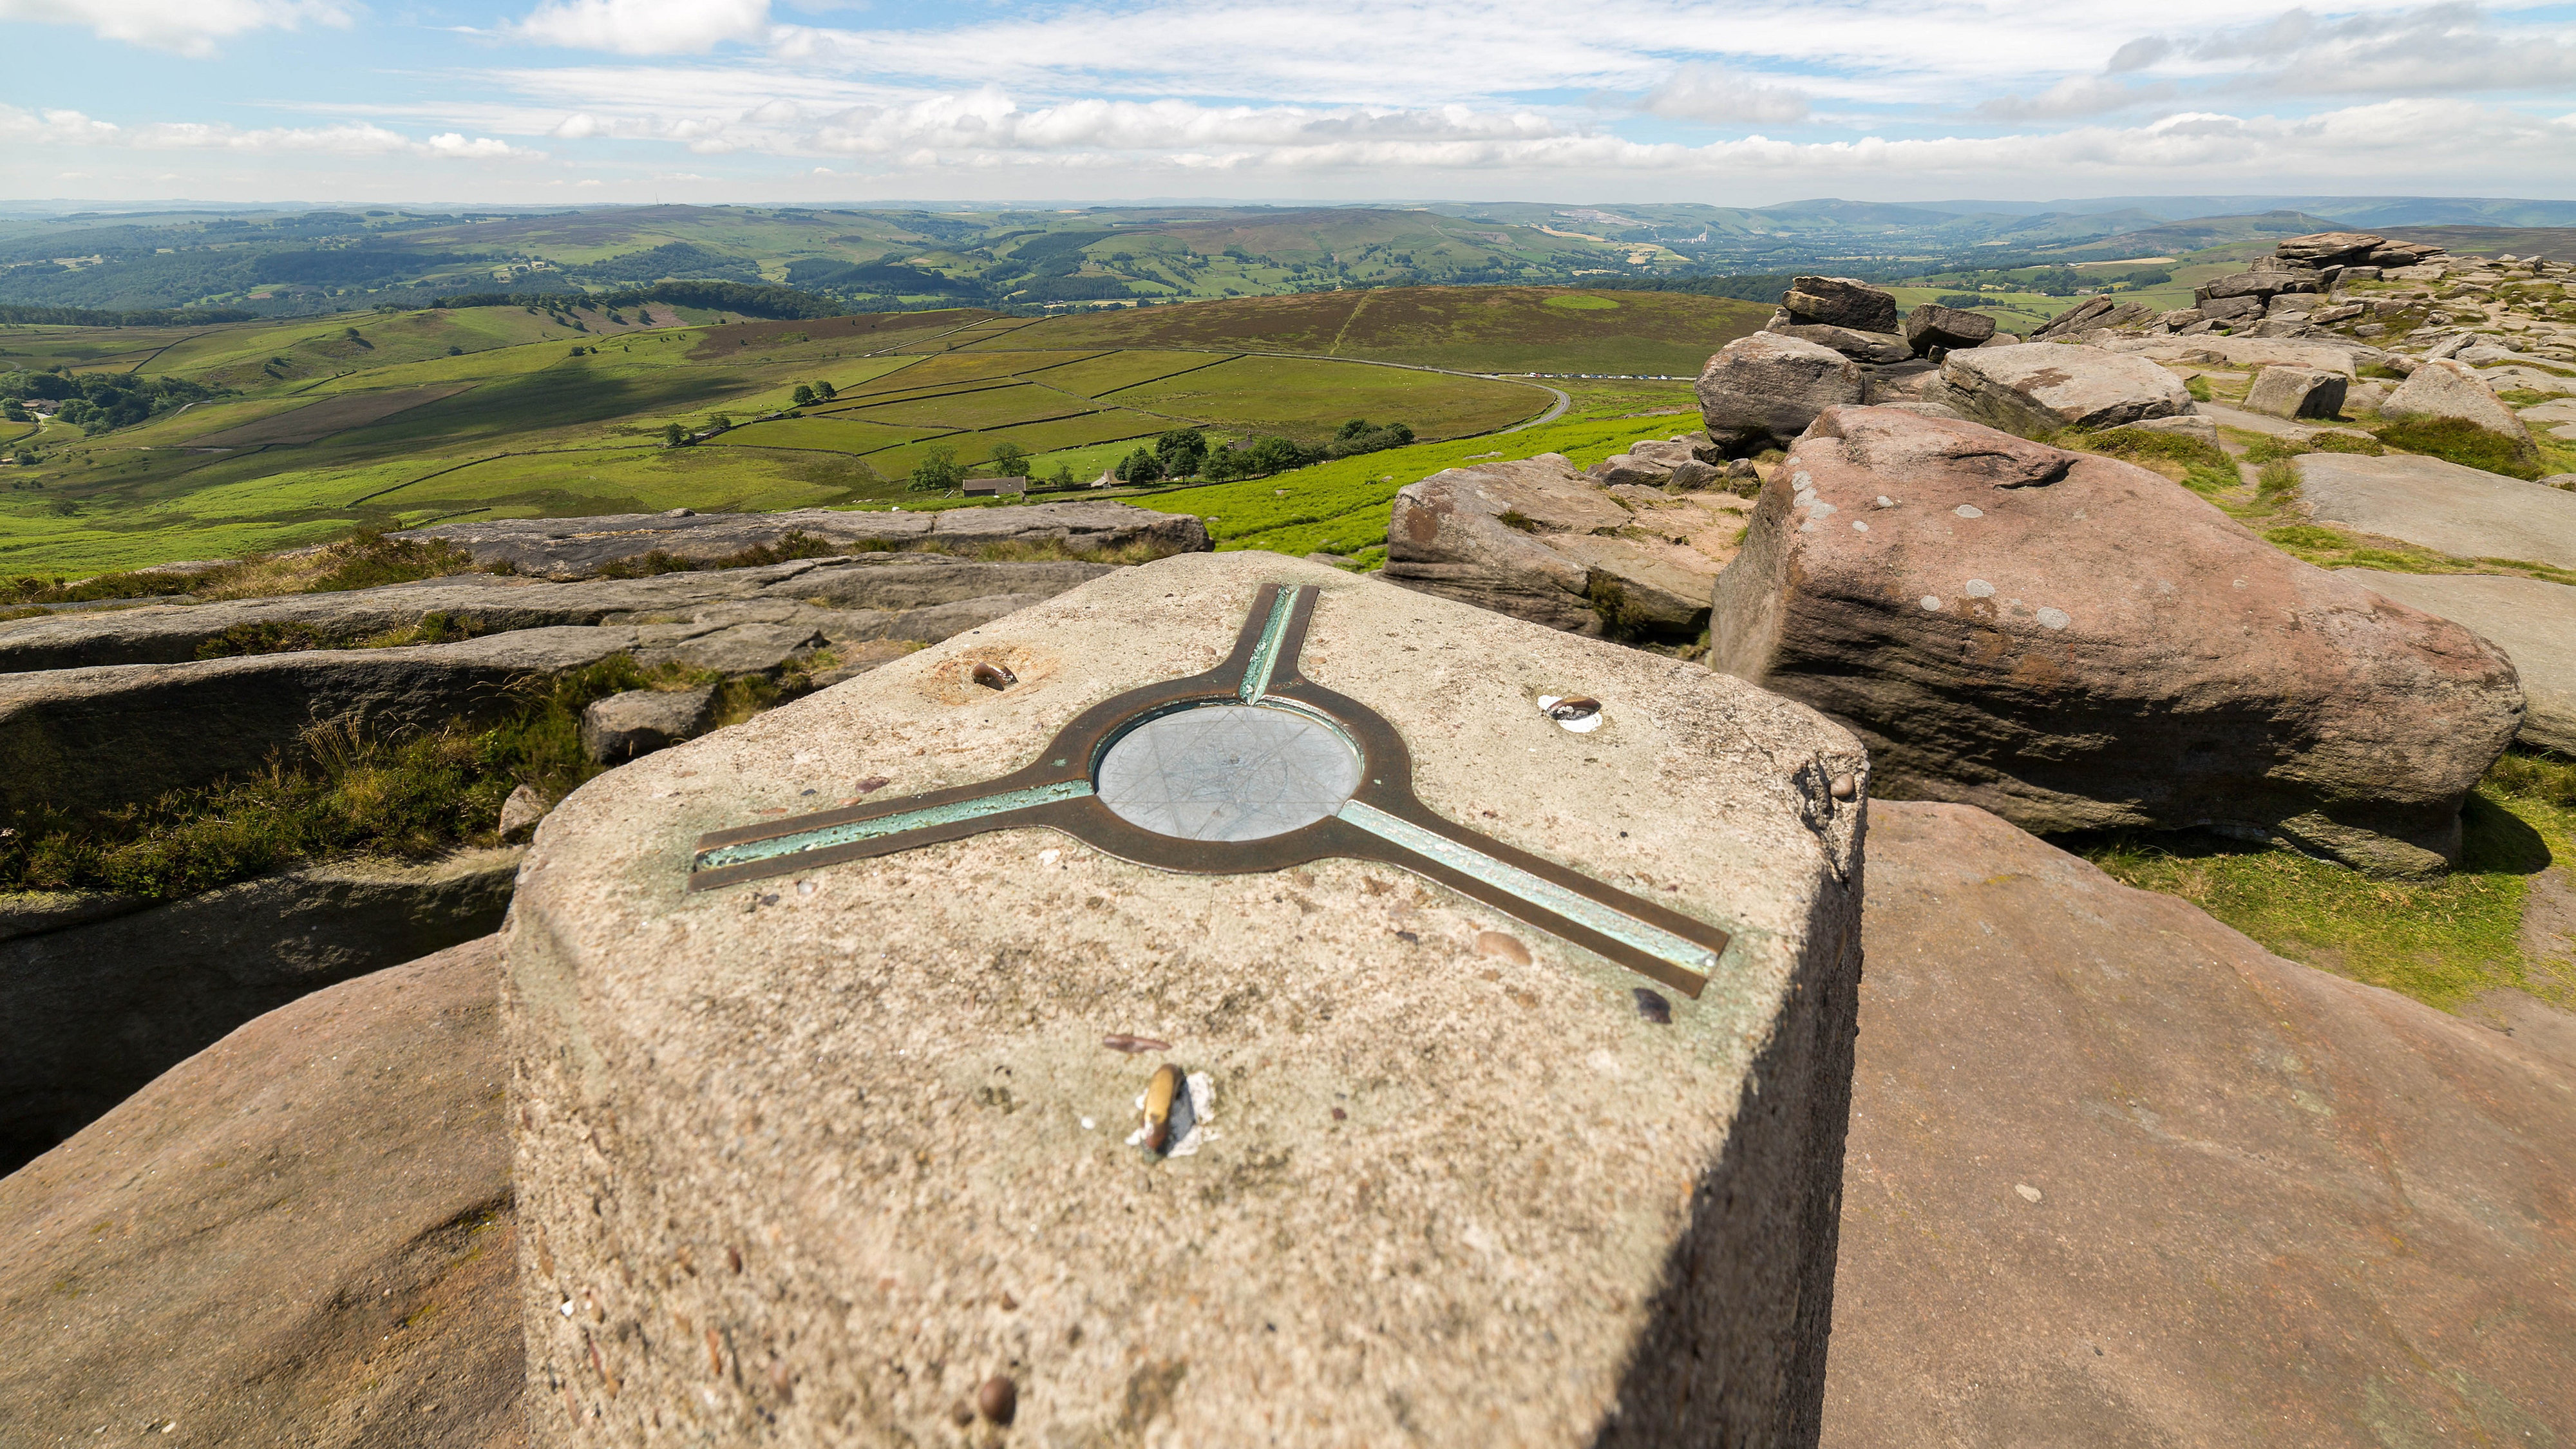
1228	772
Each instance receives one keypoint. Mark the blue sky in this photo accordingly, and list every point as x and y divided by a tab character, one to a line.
562	101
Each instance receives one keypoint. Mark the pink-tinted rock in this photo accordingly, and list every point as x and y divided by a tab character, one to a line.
302	1235
2074	642
2117	1176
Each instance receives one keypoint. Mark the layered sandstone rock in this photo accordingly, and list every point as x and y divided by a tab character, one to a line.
2074	642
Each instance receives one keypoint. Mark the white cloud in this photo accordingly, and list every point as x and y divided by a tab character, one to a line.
645	27
71	128
190	27
1706	93
2439	49
2077	95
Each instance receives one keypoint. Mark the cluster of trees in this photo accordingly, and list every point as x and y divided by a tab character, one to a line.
809	393
776	303
94	317
676	436
97	401
1185	453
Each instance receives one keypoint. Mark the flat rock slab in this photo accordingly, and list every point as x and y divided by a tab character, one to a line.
2043	386
1540	541
94	1011
2118	1176
492	603
2532	620
817	1157
301	1235
2465	512
565	548
2253	352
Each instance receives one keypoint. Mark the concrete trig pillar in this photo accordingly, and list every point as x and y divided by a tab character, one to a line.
1506	978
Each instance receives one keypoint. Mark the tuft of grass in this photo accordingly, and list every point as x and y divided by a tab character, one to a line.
2308	536
2201	467
2269	449
337	793
2198	387
2458	440
2441	942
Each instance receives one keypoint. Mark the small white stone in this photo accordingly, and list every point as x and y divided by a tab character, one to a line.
1859	527
1818	508
2028	1192
1049	857
1969	510
2054	619
1886	502
1979	589
1932	601
1088	1124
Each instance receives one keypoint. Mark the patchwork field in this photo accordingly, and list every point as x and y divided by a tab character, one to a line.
391	420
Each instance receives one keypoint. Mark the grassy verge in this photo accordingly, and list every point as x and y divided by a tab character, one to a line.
2441	942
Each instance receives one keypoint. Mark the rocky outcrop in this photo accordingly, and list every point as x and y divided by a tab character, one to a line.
79	741
1761	391
2118	1176
1873	349
2094	314
2297	392
473	604
2040	387
640	721
2442	506
1540	541
2074	643
1933	328
2266	280
2447	388
1839	302
301	1235
94	1010
568	548
2329	248
1687	462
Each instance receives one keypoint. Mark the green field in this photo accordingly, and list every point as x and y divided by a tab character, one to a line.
487	412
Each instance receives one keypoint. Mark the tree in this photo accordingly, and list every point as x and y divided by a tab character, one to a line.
1062	477
1138	467
673	435
804	395
937	472
14	411
1181	451
719	422
824	390
1010	460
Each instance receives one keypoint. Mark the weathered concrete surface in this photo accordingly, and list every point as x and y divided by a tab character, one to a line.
2532	620
564	548
2267	1205
2044	386
1540	541
82	740
93	1012
2460	511
300	1236
809	1157
891	583
2075	643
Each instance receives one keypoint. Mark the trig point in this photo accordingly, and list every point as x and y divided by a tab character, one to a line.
1234	1002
